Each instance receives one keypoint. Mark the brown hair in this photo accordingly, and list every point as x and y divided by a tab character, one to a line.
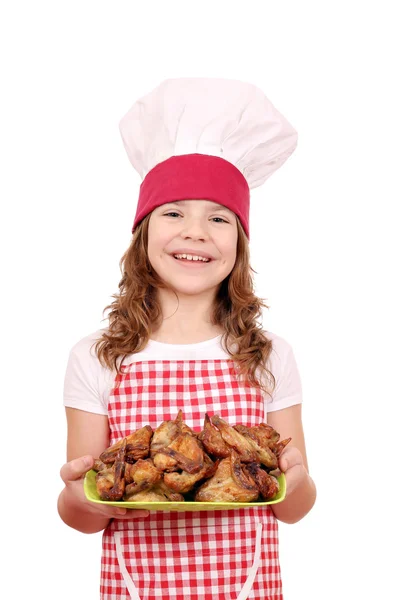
136	307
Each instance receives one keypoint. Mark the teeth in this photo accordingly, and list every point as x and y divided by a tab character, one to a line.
190	257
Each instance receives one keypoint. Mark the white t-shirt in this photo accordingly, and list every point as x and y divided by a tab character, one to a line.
88	384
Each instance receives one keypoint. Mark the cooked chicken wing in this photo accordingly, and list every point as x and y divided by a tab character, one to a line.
228	484
140	476
163	436
185	452
183	428
278	449
213	440
266	483
265	455
158	493
137	446
184	482
110	482
99	465
235	440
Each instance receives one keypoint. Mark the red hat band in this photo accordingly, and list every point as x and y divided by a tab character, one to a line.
195	176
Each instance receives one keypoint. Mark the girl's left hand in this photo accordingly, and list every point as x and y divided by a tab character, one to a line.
292	465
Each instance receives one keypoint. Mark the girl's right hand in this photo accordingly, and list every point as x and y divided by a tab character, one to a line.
73	473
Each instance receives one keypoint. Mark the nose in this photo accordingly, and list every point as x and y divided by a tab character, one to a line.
195	228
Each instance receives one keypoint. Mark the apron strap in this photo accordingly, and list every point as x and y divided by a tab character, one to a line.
256	563
128	580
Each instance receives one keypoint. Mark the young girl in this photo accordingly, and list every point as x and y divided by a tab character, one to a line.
183	334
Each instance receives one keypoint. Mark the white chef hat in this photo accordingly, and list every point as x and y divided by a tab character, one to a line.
204	138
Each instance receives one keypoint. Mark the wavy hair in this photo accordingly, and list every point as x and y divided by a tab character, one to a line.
236	310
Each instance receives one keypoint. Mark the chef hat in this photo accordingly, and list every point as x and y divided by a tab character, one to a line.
204	138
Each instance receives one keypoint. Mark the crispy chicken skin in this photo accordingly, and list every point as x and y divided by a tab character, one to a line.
228	484
184	482
235	440
266	483
264	453
110	482
163	436
185	452
140	476
212	440
174	434
99	466
157	493
137	446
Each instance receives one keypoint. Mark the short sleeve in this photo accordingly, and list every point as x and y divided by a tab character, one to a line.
288	387
87	383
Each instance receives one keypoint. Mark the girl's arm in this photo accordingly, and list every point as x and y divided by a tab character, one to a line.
88	436
301	490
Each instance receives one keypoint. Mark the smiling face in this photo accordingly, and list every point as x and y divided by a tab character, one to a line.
201	227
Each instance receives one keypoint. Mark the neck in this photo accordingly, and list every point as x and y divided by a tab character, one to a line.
186	321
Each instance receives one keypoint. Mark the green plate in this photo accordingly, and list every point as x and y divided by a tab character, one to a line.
89	485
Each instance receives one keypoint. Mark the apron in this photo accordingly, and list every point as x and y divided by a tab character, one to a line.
200	555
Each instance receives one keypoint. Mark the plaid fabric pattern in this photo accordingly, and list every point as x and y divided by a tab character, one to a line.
231	555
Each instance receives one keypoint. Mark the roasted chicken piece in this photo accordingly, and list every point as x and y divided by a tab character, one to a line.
110	482
184	482
183	428
137	446
185	452
213	441
140	476
278	448
163	437
266	434
236	440
158	493
230	483
266	438
266	483
98	465
265	455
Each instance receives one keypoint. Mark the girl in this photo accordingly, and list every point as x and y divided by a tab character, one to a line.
183	334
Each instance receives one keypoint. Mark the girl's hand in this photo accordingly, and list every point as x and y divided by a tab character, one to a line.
73	473
291	463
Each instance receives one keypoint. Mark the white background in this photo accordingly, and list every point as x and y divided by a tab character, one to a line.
324	242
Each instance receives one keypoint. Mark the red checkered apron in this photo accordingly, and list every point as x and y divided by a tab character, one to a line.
228	554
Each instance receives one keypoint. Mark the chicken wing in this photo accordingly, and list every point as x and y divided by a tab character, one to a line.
110	482
163	436
213	440
185	452
235	440
265	455
137	446
140	476
184	482
228	484
266	483
158	493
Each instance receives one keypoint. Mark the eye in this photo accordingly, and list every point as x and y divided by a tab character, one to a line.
175	213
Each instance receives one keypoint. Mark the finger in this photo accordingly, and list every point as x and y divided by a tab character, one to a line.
131	513
125	514
294	477
75	469
289	458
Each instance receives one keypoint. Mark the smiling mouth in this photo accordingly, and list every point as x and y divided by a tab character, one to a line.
191	262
